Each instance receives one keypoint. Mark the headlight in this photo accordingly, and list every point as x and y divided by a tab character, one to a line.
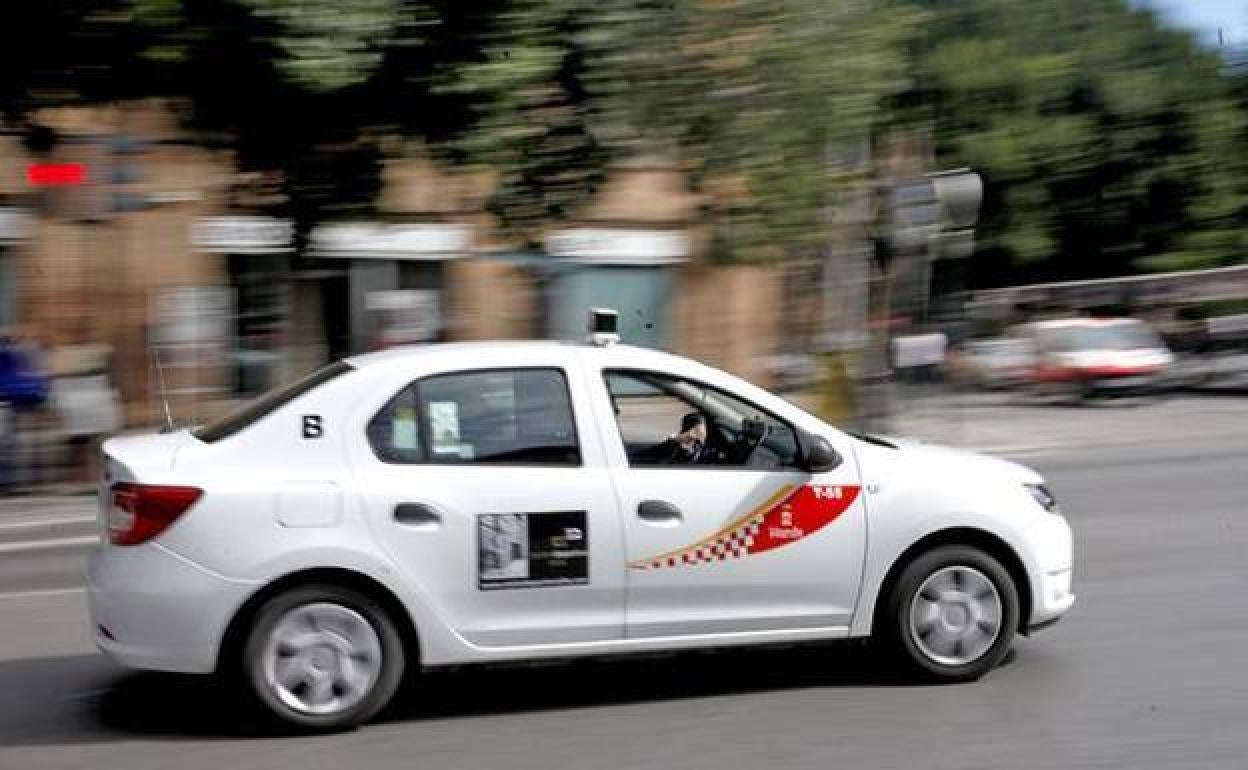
1041	494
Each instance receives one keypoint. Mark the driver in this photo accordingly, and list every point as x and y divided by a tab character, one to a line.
688	447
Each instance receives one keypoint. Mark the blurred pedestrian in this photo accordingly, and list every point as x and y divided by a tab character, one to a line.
23	391
85	399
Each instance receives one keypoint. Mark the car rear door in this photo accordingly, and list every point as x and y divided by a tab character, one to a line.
486	485
714	548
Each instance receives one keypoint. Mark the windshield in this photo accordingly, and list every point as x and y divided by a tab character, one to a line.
275	399
998	348
1111	337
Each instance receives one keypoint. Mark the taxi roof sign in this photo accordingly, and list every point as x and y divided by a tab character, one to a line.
604	326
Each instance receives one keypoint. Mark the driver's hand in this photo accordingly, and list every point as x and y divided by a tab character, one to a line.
695	435
687	438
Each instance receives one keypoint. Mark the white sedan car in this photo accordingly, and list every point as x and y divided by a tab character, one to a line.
482	502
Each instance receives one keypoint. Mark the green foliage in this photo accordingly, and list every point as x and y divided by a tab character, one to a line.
68	52
529	117
1108	142
756	99
750	97
327	44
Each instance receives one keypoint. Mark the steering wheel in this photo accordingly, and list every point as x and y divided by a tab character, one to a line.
753	431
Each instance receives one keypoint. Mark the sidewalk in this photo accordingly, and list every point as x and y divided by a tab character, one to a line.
1007	423
37	460
18	509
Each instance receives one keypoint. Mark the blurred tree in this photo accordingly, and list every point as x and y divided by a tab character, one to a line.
65	52
1108	143
288	85
761	101
527	112
248	71
754	99
314	89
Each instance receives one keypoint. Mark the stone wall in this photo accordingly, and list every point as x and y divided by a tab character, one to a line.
727	316
104	273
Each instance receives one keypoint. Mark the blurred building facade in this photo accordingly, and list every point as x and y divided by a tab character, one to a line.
187	270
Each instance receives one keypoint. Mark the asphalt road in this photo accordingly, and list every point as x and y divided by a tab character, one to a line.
42	542
1149	671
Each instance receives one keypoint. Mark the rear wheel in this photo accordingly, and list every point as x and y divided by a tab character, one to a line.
323	657
951	614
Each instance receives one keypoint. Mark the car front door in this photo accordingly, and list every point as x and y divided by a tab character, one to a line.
739	539
481	486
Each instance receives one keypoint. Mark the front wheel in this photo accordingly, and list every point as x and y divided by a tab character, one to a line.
323	658
952	614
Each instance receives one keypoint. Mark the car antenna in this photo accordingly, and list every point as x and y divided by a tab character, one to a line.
169	427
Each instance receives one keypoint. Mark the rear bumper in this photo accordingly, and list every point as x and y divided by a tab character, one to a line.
152	609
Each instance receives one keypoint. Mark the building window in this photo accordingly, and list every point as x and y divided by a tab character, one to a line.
262	309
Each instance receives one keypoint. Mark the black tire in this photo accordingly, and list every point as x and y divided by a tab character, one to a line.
1082	394
896	632
252	666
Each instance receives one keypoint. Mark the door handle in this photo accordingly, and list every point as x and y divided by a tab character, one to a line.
658	512
417	515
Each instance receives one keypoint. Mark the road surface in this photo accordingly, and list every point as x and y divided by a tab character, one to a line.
1149	671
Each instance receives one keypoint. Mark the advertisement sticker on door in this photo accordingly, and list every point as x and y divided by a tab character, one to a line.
532	550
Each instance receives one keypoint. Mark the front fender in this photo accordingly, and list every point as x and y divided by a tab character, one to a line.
922	491
886	549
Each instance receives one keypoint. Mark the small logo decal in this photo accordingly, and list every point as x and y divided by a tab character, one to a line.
312	426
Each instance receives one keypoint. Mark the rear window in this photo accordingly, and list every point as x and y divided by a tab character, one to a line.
1126	336
270	402
490	416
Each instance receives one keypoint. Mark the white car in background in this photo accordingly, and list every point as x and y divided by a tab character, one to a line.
1084	357
481	502
994	363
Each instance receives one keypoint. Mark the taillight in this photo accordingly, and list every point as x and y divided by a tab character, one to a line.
142	511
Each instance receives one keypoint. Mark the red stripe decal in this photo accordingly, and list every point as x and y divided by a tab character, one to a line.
806	511
796	515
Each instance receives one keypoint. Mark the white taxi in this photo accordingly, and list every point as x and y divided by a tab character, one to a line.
482	502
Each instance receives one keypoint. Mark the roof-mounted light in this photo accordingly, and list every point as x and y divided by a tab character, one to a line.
604	327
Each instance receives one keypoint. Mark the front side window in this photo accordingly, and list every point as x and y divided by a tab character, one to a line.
670	421
495	416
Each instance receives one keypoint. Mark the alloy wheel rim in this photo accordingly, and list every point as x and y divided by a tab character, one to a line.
956	615
322	658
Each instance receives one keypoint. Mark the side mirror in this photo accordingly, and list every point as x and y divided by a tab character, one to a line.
819	455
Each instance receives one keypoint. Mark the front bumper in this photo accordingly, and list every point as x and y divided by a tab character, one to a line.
1142	384
1053	600
1052	558
153	609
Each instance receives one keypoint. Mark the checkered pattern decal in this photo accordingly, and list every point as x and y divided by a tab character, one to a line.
789	515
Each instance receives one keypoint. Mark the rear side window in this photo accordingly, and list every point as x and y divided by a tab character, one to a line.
268	403
494	416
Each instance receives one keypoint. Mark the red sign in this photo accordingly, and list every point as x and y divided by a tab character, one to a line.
55	174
